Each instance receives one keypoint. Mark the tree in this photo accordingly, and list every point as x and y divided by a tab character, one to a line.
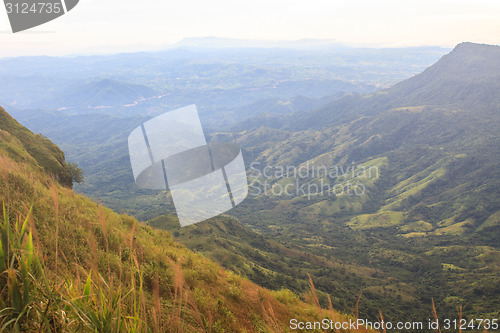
77	175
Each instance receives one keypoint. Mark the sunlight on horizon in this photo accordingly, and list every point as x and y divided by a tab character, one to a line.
123	26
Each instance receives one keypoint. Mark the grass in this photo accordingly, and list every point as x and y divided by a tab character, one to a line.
378	220
493	220
33	299
415	184
418	226
22	144
455	229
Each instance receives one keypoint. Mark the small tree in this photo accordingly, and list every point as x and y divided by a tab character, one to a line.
77	175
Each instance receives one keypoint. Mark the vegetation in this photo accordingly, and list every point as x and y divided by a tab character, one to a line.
68	264
438	188
22	145
76	173
427	228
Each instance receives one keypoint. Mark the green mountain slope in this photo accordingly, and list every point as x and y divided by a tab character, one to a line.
443	154
21	144
467	78
435	203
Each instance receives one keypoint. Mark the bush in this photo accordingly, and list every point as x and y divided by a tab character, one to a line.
77	175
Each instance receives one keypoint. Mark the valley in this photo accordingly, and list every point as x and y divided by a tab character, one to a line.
425	227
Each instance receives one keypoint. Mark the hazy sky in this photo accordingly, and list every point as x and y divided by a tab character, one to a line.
127	25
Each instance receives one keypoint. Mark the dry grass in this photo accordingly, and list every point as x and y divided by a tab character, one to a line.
55	198
434	312
356	309
382	320
460	316
331	313
314	294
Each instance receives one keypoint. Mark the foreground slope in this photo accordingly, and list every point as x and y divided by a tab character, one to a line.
69	264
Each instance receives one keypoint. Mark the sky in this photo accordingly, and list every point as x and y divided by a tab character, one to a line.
110	26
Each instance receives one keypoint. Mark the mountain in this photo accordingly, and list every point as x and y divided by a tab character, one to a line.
467	77
219	80
105	93
431	122
69	264
427	216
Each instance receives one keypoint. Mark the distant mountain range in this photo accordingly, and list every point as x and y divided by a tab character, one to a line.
105	93
228	43
219	80
466	78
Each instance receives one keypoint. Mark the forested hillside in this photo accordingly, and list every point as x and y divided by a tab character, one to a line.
428	219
